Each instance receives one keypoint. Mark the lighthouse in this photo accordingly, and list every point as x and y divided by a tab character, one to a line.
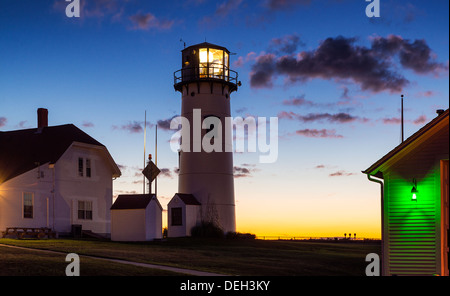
205	179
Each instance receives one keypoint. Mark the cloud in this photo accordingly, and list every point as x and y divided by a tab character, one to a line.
122	167
164	124
340	173
241	110
240	61
287	44
392	120
146	21
397	120
312	117
133	127
227	7
3	121
245	170
87	124
340	59
425	94
299	101
416	56
22	124
420	120
263	71
223	10
315	133
285	4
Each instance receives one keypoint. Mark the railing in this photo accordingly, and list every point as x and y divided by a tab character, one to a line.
207	72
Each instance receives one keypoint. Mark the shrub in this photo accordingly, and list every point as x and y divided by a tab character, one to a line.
238	235
207	229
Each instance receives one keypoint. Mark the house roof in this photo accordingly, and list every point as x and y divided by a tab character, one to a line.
442	119
24	150
188	199
132	201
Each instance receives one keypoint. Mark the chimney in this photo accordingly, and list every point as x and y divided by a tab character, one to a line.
42	115
440	111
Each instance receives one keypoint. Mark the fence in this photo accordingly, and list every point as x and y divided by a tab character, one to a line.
313	238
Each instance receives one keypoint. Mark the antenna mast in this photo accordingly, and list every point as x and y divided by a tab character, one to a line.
402	122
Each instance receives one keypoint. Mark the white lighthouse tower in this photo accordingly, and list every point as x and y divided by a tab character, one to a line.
205	180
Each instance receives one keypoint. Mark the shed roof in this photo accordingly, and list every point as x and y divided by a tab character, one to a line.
132	201
442	119
24	150
188	199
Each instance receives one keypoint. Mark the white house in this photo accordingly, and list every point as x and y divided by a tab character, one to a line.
136	217
55	177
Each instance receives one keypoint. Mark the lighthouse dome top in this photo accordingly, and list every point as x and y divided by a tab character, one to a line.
206	45
205	62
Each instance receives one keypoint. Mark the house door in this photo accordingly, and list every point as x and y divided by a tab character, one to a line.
445	217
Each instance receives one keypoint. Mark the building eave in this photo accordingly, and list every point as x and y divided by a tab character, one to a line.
409	144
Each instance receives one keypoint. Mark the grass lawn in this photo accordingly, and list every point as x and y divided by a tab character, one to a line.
230	257
14	262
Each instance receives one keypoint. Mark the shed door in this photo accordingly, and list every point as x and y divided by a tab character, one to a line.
445	217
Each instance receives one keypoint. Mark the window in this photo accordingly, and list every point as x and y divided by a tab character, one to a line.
84	210
211	62
80	167
28	205
88	167
177	217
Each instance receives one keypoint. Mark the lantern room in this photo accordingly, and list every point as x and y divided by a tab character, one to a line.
205	62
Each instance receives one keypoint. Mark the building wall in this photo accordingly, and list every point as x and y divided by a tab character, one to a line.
56	193
176	230
412	233
128	225
71	188
153	218
209	175
11	199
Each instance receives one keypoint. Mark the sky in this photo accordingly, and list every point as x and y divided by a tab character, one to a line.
332	75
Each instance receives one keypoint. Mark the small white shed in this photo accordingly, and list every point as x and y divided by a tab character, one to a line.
184	212
136	217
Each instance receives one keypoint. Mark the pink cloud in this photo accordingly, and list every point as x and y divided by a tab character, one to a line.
315	133
148	20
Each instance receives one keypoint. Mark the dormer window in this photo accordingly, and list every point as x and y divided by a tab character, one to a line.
84	167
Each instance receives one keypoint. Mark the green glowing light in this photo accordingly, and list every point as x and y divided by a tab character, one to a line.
414	193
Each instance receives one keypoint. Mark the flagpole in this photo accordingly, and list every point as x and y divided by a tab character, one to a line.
145	131
156	158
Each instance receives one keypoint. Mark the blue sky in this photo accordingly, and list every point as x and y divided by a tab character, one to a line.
332	75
